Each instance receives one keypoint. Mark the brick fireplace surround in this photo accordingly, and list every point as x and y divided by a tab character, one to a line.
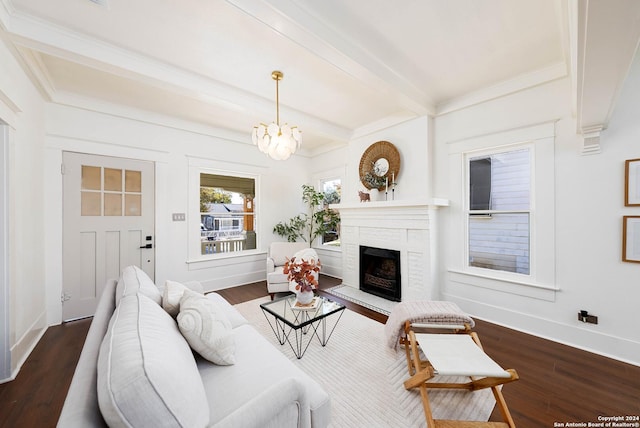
404	226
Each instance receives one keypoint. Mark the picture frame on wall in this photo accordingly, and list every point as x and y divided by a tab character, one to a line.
631	238
632	183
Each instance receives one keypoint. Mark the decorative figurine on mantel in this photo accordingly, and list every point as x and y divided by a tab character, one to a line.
364	197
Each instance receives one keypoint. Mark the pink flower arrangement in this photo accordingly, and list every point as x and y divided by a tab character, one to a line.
301	272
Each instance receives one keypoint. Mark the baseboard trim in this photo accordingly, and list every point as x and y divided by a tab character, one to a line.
578	337
21	350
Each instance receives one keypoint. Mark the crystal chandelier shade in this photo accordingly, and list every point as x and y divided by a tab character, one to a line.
279	142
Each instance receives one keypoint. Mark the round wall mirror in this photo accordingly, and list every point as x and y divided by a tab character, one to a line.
379	165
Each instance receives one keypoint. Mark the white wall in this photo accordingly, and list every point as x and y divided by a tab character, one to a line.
21	107
589	206
411	139
173	147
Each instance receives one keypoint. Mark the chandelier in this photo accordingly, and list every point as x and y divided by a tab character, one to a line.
279	142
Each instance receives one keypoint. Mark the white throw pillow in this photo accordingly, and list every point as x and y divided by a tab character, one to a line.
206	329
134	280
173	292
308	254
147	375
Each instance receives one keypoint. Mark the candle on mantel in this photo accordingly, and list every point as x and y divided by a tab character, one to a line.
386	183
393	178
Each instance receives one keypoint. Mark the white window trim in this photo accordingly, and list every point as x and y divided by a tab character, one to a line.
199	166
540	283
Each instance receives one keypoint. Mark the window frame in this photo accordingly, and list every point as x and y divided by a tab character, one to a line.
197	167
541	281
492	212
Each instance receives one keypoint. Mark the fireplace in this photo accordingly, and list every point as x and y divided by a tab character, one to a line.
380	272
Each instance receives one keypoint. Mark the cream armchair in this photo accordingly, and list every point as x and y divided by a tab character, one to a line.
279	252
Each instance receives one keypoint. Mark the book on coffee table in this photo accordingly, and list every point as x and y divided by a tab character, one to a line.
308	306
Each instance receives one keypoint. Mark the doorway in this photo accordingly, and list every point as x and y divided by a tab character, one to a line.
108	224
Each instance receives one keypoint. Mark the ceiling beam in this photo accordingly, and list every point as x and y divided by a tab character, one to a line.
301	26
608	32
49	39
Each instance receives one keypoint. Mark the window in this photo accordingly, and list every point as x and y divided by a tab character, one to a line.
332	190
507	245
480	183
499	210
227	214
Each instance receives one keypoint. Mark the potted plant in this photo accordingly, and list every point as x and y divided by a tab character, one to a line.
316	222
301	272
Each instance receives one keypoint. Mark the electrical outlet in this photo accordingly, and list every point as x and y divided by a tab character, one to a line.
585	317
178	216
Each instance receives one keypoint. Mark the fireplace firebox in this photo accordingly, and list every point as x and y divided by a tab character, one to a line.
380	272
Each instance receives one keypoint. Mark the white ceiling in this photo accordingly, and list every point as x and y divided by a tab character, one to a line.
349	66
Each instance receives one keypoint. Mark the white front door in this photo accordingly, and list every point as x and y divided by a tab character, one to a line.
108	224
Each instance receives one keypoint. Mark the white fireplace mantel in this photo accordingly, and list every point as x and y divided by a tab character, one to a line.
403	225
436	202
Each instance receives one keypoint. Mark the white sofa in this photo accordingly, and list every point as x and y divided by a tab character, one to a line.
279	252
136	369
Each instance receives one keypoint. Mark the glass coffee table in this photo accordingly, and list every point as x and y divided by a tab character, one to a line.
298	325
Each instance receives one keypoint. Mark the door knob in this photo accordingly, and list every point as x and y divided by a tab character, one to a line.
147	246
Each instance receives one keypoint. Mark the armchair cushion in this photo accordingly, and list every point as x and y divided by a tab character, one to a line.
281	251
307	254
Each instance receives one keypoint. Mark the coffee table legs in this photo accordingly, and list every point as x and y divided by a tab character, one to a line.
302	336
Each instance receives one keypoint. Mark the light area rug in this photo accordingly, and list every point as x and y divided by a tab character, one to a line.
362	298
365	378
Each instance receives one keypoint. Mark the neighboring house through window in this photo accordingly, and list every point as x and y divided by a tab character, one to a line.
499	210
227	213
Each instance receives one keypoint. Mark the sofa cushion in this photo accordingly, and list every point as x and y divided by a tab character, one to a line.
206	329
142	360
172	293
135	280
259	365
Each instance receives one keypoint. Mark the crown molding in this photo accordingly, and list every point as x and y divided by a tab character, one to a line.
38	71
522	82
73	100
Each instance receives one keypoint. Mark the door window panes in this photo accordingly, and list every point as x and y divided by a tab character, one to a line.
91	177
90	204
110	192
132	181
132	205
112	204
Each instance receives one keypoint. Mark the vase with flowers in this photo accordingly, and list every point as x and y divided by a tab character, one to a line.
303	274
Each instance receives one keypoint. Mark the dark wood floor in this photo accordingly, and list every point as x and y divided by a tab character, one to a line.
558	384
